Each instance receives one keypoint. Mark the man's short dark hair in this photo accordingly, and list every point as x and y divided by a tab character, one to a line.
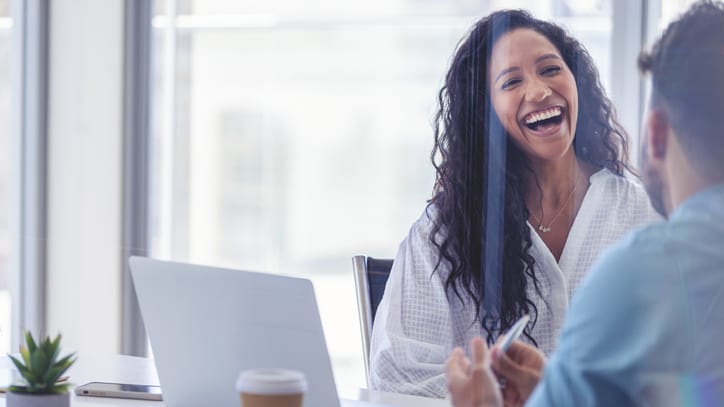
687	69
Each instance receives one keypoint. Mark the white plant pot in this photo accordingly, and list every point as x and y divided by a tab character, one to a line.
37	400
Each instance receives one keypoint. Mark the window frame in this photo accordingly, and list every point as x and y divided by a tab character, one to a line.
29	151
136	156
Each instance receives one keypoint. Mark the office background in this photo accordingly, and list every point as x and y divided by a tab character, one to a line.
279	136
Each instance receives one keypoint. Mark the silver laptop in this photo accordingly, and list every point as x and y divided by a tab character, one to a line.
208	324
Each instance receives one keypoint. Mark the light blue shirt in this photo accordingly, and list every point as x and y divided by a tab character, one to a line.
647	325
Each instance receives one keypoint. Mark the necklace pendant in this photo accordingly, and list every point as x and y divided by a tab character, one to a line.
544	229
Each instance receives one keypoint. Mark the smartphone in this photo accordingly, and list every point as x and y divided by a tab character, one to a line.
120	390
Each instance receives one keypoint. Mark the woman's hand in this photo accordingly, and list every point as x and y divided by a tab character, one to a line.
521	367
472	385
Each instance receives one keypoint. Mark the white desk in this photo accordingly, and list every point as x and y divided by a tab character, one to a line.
129	369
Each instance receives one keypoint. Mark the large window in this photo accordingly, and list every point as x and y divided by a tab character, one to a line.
5	174
671	9
289	136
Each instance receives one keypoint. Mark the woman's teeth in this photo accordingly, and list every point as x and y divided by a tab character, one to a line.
539	116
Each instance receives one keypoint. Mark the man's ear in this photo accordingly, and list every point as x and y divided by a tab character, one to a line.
657	134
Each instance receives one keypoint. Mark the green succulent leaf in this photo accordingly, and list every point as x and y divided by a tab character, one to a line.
54	349
18	364
30	342
60	388
38	387
19	389
39	360
26	355
40	367
30	377
58	369
52	375
66	361
24	371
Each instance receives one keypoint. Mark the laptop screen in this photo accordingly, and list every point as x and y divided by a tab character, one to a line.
208	324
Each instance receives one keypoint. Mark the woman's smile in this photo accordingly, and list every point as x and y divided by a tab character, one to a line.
545	122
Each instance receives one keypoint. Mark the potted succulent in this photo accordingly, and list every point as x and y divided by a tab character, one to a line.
40	369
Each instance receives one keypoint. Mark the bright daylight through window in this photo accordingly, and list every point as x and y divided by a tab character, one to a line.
5	174
289	136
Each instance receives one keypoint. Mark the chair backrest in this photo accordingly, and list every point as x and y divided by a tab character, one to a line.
370	278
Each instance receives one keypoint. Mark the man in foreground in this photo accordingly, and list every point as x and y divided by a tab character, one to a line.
645	328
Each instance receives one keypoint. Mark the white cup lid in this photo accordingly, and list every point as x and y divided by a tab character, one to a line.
271	381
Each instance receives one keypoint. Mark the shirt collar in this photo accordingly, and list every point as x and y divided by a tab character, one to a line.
708	199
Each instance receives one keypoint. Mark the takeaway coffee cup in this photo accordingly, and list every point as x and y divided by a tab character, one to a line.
271	388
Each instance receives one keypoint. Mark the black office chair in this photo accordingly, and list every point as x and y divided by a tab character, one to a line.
370	278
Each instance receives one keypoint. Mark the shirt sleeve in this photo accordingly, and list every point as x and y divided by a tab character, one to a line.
611	334
412	331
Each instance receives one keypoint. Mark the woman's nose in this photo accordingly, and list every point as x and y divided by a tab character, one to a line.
537	91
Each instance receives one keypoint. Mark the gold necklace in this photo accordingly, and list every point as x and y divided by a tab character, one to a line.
546	229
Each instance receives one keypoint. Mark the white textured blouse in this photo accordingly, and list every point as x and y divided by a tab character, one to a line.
417	326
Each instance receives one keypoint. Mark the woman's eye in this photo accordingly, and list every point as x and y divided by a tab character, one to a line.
510	83
550	70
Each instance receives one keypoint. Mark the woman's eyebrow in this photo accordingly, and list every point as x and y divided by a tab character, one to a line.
505	71
546	56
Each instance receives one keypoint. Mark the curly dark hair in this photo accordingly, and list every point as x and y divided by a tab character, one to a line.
460	157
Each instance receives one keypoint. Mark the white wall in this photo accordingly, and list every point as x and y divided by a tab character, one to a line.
84	173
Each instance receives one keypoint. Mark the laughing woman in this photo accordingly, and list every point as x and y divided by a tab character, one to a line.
567	197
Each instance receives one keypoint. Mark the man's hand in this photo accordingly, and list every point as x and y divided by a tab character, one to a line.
521	367
472	385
